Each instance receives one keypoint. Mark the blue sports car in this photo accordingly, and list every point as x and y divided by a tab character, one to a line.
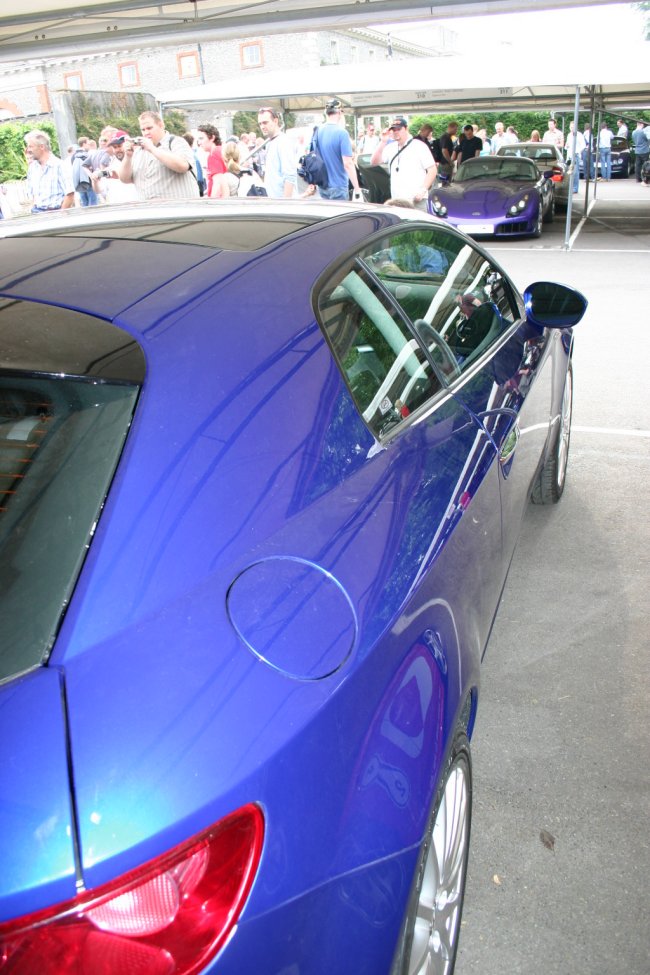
497	196
263	468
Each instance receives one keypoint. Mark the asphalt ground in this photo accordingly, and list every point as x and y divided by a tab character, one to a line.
560	859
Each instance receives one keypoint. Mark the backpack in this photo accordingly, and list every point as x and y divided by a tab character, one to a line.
249	184
436	150
311	166
81	178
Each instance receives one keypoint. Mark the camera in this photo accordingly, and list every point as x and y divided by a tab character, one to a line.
137	141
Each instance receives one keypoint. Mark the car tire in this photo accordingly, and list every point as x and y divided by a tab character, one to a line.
550	214
537	232
430	933
549	485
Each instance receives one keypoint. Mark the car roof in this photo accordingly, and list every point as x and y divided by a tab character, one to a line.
102	260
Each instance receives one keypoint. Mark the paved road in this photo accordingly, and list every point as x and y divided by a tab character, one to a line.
562	741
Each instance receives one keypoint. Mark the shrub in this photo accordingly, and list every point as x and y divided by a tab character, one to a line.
13	164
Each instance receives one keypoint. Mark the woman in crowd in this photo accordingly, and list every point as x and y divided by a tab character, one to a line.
237	180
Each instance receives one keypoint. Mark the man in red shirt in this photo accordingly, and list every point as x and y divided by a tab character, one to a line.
209	140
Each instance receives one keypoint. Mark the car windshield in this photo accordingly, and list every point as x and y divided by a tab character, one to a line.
60	439
493	167
543	153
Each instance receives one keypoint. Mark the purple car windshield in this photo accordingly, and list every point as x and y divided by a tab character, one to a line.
493	167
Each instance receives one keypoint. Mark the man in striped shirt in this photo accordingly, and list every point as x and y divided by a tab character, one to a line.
160	165
49	182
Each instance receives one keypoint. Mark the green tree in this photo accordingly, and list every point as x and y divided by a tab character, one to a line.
95	110
644	7
13	163
247	122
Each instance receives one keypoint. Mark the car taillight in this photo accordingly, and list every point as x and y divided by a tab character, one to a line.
169	917
558	175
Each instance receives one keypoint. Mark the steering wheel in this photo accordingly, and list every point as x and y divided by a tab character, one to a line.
429	336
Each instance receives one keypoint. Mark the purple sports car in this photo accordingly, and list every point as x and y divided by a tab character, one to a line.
497	196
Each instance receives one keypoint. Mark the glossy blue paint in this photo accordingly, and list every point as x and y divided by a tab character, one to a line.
36	836
272	605
252	508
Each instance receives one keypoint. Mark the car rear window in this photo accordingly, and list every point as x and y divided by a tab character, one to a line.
61	435
60	440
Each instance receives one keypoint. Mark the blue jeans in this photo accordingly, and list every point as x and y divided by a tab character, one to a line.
88	198
335	193
606	163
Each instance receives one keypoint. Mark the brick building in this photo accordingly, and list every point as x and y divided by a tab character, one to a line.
26	87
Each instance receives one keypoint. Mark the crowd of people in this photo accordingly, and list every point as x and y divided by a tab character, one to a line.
454	146
157	165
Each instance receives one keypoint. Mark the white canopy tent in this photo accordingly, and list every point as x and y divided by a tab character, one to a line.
435	84
57	28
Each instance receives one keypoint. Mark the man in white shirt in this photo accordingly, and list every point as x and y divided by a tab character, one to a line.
368	141
605	137
280	177
501	137
553	134
574	148
412	167
106	181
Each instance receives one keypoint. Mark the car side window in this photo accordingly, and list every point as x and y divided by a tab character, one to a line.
385	367
458	302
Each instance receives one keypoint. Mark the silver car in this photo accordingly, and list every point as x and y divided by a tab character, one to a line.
547	158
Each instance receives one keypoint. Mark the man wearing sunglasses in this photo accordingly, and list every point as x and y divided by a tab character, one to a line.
411	165
280	166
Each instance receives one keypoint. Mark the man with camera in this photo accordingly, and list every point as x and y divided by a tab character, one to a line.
160	165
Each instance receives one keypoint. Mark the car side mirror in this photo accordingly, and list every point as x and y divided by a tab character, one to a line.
550	305
548	174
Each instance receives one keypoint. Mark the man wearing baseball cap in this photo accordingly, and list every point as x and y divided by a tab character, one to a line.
411	165
335	147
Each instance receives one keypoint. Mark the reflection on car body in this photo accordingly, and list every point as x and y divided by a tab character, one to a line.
264	467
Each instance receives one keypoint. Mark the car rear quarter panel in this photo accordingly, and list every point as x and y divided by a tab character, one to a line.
246	446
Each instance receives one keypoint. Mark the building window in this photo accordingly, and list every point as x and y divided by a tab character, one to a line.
188	64
251	55
73	81
371	55
334	52
129	74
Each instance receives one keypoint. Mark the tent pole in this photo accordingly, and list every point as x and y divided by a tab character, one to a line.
589	149
600	121
574	156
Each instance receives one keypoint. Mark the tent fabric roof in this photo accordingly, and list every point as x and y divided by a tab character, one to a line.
50	28
440	84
